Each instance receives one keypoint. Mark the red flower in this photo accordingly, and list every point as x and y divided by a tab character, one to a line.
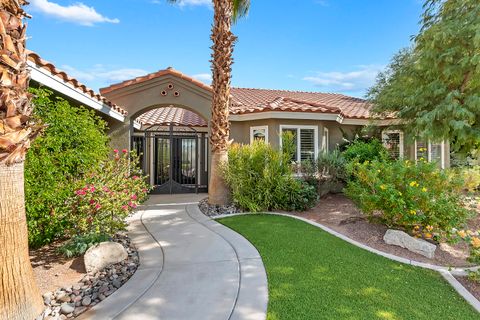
80	192
98	206
124	151
115	150
92	189
92	201
134	197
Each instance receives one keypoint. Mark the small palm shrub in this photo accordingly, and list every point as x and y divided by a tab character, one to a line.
262	178
418	198
361	151
104	197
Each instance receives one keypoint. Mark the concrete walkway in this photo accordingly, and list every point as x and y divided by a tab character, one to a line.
191	267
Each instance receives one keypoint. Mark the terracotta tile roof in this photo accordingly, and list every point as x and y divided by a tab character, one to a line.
39	62
247	100
158	74
172	115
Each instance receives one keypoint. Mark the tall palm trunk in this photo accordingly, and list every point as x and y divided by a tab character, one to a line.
19	295
223	41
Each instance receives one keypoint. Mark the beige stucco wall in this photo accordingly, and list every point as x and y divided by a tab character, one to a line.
142	97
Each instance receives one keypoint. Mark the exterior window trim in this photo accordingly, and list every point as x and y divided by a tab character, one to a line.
326	140
401	152
298	127
252	129
429	152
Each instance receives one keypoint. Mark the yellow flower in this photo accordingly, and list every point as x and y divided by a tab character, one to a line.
413	212
424	189
416	227
427	235
462	233
429	228
475	242
383	187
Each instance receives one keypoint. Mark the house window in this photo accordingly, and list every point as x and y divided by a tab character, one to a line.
393	141
259	133
326	140
305	139
432	152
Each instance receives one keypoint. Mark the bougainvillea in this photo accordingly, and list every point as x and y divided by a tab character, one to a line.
105	197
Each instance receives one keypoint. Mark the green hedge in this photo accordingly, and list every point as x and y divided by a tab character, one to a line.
73	143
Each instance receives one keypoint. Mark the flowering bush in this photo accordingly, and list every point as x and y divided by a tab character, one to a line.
419	198
105	197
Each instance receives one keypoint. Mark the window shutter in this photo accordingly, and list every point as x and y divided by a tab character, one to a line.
307	144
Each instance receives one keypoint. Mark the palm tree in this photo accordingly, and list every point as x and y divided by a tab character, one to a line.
225	12
19	295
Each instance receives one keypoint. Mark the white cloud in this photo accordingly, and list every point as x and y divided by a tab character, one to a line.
184	3
204	77
102	75
77	13
357	80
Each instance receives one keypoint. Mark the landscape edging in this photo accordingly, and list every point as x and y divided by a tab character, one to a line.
447	273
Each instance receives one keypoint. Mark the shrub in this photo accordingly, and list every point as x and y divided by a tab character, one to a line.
104	197
79	244
73	143
261	178
416	197
361	151
470	177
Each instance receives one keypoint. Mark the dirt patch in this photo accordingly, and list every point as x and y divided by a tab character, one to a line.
52	270
340	214
472	286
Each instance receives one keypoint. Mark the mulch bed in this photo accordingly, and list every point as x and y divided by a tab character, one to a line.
470	285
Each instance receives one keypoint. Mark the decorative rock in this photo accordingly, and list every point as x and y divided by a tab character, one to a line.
102	297
117	283
86	301
402	239
67	308
79	311
103	254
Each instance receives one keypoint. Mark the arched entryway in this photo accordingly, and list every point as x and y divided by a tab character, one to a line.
173	146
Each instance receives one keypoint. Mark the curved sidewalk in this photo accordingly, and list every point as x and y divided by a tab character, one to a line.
191	267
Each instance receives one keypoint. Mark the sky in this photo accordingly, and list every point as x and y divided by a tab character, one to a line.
309	45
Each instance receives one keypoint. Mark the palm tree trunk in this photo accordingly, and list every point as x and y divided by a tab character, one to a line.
223	41
19	295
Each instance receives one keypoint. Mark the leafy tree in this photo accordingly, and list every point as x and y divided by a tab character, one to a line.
73	143
434	86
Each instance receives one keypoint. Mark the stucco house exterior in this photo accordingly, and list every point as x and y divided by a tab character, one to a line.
165	117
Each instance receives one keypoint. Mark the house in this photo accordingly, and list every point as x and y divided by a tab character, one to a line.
165	117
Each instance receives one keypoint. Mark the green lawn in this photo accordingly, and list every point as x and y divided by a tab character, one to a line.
313	275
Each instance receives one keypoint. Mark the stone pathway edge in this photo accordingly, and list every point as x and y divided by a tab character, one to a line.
447	273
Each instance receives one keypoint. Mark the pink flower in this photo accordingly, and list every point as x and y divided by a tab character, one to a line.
135	177
115	150
131	204
92	189
125	207
144	190
92	201
134	197
98	206
124	151
80	192
105	189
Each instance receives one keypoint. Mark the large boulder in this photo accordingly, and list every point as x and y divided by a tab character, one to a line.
103	254
402	239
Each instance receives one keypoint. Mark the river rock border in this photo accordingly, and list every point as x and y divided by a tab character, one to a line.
70	302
